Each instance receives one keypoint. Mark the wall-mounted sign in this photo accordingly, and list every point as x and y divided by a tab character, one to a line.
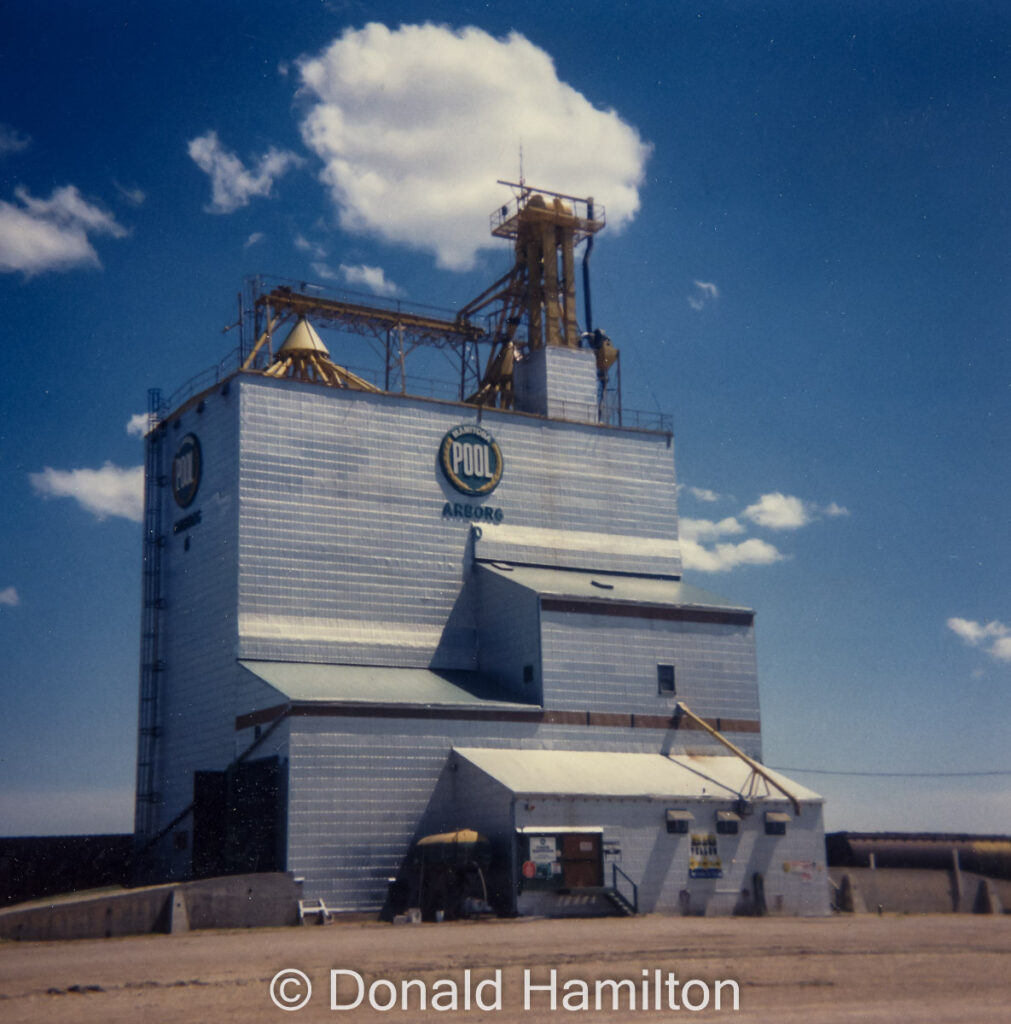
543	858
704	861
186	467
470	459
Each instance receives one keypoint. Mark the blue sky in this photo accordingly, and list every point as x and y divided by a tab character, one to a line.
806	265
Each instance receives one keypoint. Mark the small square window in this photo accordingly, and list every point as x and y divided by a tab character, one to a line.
679	822
528	673
665	679
775	823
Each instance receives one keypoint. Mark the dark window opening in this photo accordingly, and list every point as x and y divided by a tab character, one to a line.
665	679
775	823
679	822
528	673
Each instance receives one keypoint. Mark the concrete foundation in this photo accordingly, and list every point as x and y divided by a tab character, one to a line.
918	891
237	901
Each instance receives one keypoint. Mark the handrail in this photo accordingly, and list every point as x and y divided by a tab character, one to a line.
615	871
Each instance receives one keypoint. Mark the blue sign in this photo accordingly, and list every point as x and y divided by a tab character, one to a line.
471	460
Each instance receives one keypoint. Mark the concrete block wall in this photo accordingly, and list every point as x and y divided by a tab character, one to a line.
792	866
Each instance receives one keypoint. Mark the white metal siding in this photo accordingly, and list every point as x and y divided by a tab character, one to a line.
344	551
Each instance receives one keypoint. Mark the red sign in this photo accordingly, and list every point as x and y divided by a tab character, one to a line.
529	869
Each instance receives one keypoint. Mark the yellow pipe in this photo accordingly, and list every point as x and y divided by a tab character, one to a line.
751	762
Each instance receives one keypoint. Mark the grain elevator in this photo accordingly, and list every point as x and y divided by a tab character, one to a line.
374	614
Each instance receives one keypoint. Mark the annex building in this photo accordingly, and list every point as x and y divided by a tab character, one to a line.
372	616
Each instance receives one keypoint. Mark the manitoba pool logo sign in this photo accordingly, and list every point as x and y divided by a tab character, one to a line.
471	460
186	469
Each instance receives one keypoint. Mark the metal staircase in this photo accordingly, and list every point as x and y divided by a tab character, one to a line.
622	893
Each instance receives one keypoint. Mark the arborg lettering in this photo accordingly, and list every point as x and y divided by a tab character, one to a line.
479	513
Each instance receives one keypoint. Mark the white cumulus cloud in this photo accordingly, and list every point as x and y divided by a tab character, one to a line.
704	549
415	125
109	491
723	556
53	233
779	512
994	637
1001	648
136	425
708	530
373	278
9	597
233	184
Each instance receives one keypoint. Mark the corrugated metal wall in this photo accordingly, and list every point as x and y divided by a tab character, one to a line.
345	554
200	567
323	539
597	663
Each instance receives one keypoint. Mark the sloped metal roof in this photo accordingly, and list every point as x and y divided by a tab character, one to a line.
573	583
577	549
366	684
611	774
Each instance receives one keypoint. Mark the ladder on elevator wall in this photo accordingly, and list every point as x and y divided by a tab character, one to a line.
151	664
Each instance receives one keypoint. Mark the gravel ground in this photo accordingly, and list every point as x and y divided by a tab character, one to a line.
842	969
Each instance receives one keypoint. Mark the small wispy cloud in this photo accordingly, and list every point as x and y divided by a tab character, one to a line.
372	278
233	185
133	196
52	234
253	239
701	493
12	141
9	597
993	637
317	251
834	510
704	293
109	491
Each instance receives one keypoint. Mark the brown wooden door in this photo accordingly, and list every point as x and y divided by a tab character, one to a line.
582	865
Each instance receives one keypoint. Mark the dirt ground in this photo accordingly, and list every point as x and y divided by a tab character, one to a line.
867	968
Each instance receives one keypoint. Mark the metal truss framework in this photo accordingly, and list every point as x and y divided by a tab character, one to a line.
394	333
